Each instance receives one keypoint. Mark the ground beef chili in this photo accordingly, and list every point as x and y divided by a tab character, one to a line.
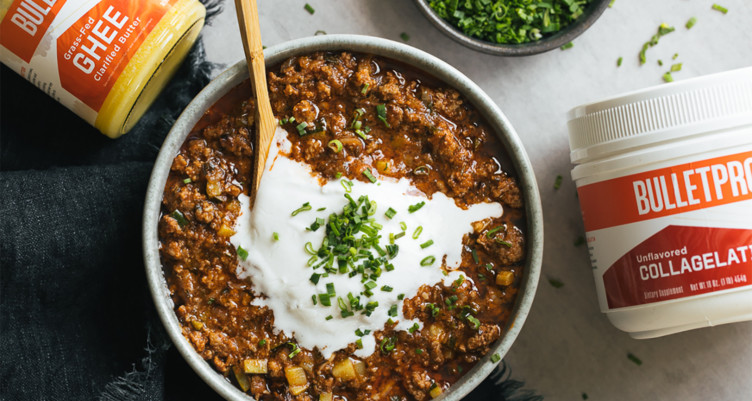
425	132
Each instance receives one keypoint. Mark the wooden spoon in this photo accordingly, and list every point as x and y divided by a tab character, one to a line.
248	20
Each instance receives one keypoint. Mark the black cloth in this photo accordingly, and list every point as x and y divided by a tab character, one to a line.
76	318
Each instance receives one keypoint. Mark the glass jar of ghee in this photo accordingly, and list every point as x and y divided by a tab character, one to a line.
106	60
664	179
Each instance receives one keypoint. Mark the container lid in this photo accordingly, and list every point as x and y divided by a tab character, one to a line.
659	114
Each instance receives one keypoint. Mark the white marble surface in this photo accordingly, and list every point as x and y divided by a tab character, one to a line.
567	346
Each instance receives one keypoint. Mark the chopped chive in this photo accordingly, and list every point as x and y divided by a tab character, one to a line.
418	351
618	61
568	45
301	128
427	261
392	311
319	32
359	343
335	145
667	77
692	21
242	253
426	244
306	206
401	296
386	288
325	300
275	236
611	3
489	267
660	62
381	114
557	182
387	344
585	396
720	8
475	256
365	89
415	327
309	9
414	208
330	317
180	217
675	56
315	278
474	322
187	181
347	184
321	209
405	36
663	29
390	213
555	283
367	173
262	342
676	67
417	232
330	289
634	359
295	350
579	241
495	358
505	243
313	298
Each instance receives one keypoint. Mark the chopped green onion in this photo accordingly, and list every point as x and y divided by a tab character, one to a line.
387	344
367	173
426	244
359	343
262	342
567	45
347	184
302	128
611	3
405	36
676	67
618	61
473	321
495	358
325	299
427	261
692	21
417	232
421	170
338	175
413	328
315	278
295	350
275	236
418	351
414	208
720	8
555	283
390	213
386	288
663	29
306	206
187	181
660	62
493	231
180	217
675	56
381	114
309	9
330	290
365	89
401	296
475	256
335	145
392	311
242	253
634	359
579	241
330	317
667	77
557	182
313	298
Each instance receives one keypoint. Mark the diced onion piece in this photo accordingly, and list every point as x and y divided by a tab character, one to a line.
344	370
213	188
328	396
225	231
242	379
435	391
435	332
360	367
295	390
255	366
296	376
505	278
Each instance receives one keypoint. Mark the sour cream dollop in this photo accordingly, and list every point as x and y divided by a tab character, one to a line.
279	271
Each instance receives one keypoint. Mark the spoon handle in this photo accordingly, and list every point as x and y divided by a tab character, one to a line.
248	20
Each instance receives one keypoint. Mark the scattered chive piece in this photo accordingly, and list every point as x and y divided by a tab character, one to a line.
692	21
566	46
330	290
473	321
381	114
475	256
493	231
557	182
295	350
315	278
309	9
392	311
313	298
505	243
414	208
660	62
306	206
634	359
330	317
427	261
180	217
663	29
242	253
319	32
555	283
321	209
489	267
495	357
347	184
338	175
579	241
667	77
325	300
417	232
405	36
401	297
367	173
426	244
720	8
386	288
418	351
262	342
335	145
387	344
301	128
275	236
585	396
359	343
676	67
413	328
675	56
618	61
390	213
187	181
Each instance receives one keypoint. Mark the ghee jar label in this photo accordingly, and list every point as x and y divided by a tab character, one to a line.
677	231
75	50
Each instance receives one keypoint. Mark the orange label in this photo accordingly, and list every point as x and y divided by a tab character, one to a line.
95	49
25	24
663	192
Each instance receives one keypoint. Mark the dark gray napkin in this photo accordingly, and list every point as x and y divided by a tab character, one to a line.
76	319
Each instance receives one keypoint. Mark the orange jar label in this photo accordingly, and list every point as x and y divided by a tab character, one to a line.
96	48
25	24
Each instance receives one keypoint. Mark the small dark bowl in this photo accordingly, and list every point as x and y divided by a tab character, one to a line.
565	35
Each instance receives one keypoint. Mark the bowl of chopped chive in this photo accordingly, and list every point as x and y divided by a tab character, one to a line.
513	27
272	316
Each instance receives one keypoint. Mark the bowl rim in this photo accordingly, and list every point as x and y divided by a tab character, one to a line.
359	44
558	39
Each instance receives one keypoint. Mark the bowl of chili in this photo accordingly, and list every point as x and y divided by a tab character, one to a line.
175	282
513	27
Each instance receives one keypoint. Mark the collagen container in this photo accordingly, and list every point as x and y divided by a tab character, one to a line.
664	179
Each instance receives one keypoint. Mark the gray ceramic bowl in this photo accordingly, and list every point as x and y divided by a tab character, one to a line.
566	35
363	44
